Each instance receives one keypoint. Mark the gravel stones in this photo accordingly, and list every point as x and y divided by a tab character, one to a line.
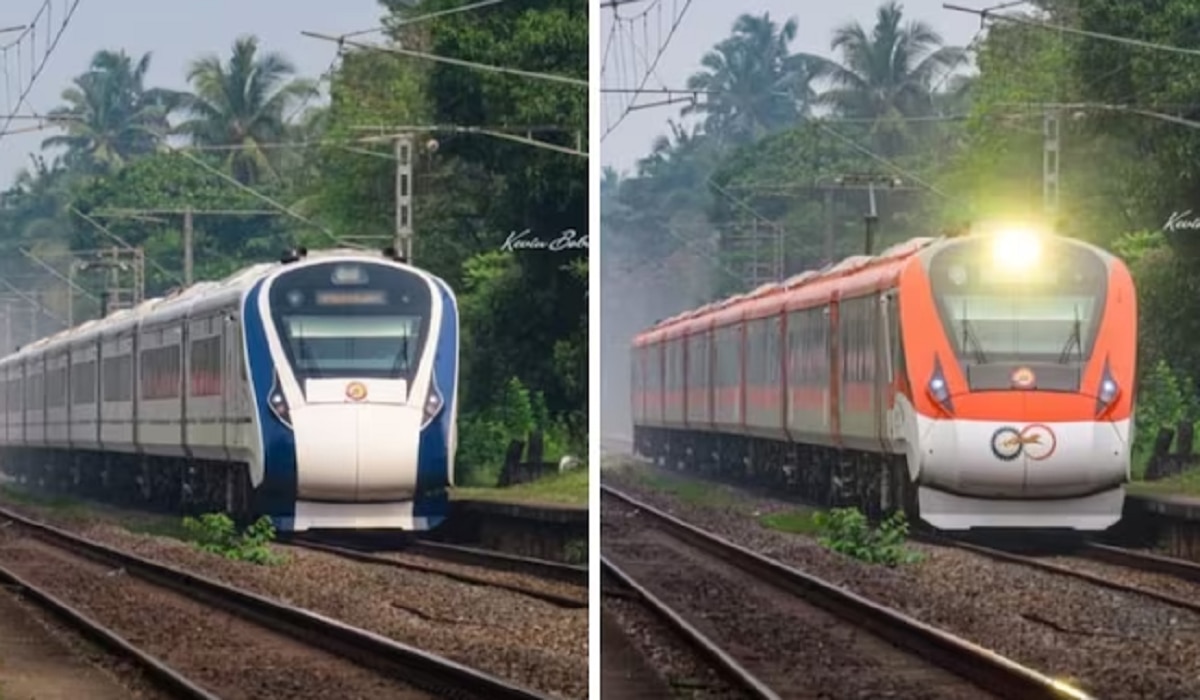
509	635
1115	645
792	646
232	658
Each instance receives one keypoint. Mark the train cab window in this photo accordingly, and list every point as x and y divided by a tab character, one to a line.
361	320
1044	308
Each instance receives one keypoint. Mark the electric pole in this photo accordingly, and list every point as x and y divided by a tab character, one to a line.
187	247
871	218
1050	151
404	171
189	230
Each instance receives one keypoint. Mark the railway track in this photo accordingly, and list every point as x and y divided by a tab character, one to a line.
623	585
163	677
252	624
1172	581
729	586
467	557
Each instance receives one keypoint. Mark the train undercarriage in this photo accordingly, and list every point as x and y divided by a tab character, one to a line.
158	484
874	483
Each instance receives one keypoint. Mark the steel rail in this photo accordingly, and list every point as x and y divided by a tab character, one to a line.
166	678
375	559
364	648
730	669
1144	561
1059	569
558	571
984	668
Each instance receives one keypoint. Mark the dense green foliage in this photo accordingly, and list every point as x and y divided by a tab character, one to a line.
217	534
891	100
251	135
847	530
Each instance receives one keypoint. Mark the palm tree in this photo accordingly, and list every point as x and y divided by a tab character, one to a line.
886	76
242	106
110	117
755	85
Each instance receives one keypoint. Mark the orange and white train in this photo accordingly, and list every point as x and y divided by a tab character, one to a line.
979	381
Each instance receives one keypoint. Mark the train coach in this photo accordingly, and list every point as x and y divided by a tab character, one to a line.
319	390
979	381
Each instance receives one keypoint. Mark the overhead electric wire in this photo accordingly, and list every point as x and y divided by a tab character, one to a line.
421	18
653	65
455	61
1129	41
24	94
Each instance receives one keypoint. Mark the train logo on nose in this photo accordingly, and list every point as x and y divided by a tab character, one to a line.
1023	378
1036	441
356	391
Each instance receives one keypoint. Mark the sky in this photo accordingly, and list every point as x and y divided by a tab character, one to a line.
707	22
175	32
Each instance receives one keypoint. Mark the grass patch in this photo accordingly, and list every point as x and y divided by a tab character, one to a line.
23	497
576	552
697	493
564	488
1185	484
796	522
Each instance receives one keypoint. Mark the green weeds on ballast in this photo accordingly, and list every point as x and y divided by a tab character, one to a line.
846	530
217	534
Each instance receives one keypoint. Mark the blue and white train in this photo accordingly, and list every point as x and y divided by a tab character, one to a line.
319	390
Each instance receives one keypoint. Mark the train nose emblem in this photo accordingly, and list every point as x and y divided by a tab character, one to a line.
1006	444
356	391
1023	378
1036	441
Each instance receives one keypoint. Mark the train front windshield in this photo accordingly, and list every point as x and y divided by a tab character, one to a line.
1002	305
351	320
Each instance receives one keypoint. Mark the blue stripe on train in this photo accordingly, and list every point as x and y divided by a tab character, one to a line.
433	458
276	496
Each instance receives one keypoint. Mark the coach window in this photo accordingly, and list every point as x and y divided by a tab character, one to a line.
750	342
633	369
206	367
37	392
668	367
83	383
863	339
763	326
160	373
736	351
653	368
55	387
761	349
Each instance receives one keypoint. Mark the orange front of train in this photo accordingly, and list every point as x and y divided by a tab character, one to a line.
1021	353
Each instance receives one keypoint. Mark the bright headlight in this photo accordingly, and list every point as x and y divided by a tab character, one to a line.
1016	249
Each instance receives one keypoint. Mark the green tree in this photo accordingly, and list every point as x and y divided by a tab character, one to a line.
242	105
756	86
886	75
109	116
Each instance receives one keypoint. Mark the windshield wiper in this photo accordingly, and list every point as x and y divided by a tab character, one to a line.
971	340
1075	340
401	356
312	369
